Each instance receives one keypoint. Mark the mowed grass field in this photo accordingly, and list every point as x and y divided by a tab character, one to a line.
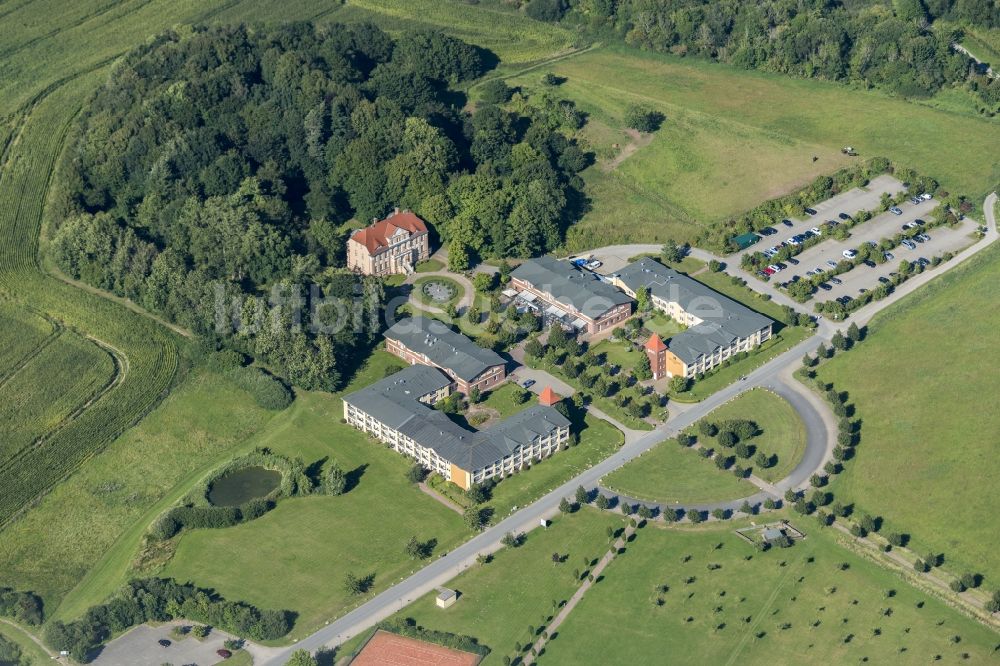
926	386
782	432
499	600
794	606
733	138
670	474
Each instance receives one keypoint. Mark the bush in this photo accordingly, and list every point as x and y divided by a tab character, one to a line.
160	600
643	118
266	390
495	92
25	607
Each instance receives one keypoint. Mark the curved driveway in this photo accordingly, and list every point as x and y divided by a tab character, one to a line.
775	374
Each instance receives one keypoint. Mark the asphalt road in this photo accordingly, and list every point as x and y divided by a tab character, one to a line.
776	374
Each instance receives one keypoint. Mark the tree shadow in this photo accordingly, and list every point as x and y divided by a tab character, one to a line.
315	471
353	478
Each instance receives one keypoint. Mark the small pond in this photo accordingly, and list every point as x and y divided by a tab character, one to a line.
243	485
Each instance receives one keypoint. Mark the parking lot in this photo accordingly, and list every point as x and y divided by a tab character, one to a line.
943	239
849	202
139	646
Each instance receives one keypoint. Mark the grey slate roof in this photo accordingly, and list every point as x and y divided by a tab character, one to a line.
724	320
444	347
568	284
394	401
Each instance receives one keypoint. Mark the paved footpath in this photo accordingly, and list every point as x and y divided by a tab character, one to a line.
775	374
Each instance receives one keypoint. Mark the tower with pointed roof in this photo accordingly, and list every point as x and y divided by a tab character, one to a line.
548	397
656	351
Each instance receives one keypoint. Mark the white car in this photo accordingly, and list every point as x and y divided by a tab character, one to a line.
775	268
816	231
792	241
925	196
850	254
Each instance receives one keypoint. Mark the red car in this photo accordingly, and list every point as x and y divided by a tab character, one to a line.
224	653
769	271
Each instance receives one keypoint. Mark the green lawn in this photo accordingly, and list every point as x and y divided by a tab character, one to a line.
661	324
733	138
296	556
670	474
792	606
500	599
782	431
502	400
429	266
617	353
925	385
777	345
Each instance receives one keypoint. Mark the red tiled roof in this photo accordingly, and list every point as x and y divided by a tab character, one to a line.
376	236
548	397
655	344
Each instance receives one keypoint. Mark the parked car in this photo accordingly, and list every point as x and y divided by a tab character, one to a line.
919	222
787	223
919	238
869	263
775	268
909	225
872	244
769	271
883	279
528	383
889	256
910	244
849	254
844	300
793	261
923	237
164	642
768	231
818	270
824	286
914	200
762	275
923	261
896	210
831	263
925	196
836	280
792	241
816	231
810	211
224	653
862	291
773	249
810	273
845	217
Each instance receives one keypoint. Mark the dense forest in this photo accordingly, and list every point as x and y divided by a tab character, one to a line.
888	44
228	160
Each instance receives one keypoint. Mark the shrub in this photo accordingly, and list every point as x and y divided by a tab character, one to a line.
643	118
266	390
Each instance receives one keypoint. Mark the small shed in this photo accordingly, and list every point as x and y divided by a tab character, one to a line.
743	241
772	534
446	597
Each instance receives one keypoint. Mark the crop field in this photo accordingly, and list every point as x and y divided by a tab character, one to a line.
48	390
497	612
725	603
733	138
22	334
926	394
